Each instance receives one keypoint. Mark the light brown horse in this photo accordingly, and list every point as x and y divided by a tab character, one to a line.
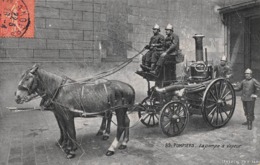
69	99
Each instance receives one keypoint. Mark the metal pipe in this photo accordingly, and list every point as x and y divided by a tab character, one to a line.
206	56
199	46
175	87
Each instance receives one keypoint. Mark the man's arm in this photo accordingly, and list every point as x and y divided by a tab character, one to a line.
229	72
238	86
256	83
150	44
175	42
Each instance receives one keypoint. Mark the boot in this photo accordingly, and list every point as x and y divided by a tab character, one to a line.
153	66
145	68
250	125
156	71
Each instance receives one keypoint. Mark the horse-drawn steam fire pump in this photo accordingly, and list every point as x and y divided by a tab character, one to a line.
170	103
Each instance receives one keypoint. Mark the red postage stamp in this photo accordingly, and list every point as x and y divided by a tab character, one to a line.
17	18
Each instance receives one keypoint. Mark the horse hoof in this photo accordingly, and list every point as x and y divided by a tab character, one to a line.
105	137
99	133
70	156
110	153
122	147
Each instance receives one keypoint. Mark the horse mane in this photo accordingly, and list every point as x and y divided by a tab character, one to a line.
50	82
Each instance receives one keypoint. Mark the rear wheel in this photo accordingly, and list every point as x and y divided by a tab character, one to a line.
219	102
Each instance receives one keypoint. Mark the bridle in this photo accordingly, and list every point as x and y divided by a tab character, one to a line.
38	87
32	88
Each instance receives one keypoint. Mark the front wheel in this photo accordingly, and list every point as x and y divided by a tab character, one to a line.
148	111
174	118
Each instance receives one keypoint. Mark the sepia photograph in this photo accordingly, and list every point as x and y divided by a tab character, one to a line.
129	82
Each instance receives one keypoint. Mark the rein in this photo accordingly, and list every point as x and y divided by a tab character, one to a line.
58	89
106	73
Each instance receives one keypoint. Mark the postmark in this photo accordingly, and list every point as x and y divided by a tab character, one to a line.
15	18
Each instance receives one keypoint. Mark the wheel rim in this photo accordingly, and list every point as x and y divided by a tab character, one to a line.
149	112
218	103
174	118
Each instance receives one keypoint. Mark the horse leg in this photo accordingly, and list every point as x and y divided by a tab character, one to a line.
120	115
126	133
108	125
71	132
102	126
63	136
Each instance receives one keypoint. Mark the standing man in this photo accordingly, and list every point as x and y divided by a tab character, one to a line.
171	49
156	46
223	69
249	87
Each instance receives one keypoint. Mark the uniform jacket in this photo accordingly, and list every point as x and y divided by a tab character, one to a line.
223	71
248	88
158	41
172	43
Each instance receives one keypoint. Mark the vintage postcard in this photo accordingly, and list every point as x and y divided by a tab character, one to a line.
129	82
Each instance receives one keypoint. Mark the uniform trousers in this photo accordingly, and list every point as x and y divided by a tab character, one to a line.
249	107
151	57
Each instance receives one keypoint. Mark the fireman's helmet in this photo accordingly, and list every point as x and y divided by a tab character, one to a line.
169	27
156	26
249	71
223	58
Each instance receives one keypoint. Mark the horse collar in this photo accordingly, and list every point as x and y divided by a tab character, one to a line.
58	89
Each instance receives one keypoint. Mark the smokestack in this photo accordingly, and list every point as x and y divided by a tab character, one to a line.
199	46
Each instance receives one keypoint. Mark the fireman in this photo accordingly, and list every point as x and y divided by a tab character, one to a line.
249	88
171	47
223	69
155	48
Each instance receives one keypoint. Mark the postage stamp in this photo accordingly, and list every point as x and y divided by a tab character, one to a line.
17	18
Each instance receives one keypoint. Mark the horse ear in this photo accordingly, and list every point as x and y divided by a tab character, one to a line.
34	68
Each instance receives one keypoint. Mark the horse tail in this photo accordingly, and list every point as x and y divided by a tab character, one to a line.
132	100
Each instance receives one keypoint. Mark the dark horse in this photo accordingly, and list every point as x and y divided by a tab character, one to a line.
69	100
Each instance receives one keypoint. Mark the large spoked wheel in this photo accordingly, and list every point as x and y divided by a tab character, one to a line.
174	118
148	111
219	102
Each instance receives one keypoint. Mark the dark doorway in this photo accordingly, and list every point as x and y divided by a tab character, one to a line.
255	46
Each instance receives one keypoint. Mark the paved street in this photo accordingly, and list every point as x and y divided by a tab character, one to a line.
29	138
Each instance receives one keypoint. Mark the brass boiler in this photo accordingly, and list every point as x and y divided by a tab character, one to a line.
200	70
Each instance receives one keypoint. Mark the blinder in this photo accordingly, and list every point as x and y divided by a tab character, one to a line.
33	86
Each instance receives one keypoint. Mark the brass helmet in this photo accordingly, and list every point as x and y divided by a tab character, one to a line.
249	71
169	27
156	26
223	58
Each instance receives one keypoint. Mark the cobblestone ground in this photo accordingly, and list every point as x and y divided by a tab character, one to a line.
29	138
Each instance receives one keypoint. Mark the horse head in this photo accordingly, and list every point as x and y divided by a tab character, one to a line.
27	85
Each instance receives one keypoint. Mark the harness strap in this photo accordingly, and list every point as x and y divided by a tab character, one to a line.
46	102
58	89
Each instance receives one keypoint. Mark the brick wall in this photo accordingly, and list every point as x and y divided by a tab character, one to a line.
89	30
